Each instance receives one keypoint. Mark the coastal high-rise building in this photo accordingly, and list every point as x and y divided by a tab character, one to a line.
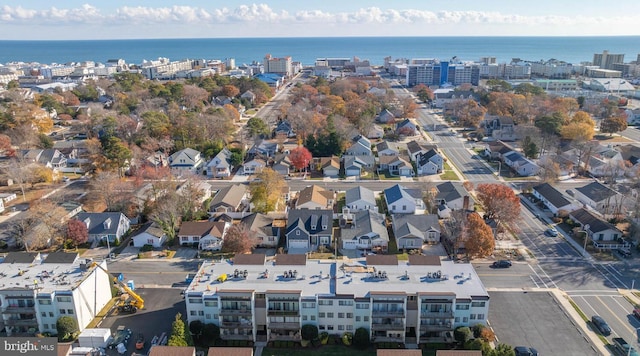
416	301
433	72
606	60
282	65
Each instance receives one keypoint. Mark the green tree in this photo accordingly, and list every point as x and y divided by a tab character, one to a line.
473	344
237	156
502	350
257	127
529	147
309	332
528	88
499	85
13	84
195	328
266	190
361	338
178	336
67	327
117	153
550	124
210	334
462	334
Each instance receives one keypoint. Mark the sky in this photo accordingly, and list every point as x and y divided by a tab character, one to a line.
133	19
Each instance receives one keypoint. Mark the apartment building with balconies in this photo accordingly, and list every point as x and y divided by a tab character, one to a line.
416	301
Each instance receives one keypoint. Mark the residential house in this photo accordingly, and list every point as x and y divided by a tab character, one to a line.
600	197
221	100
186	160
254	166
149	234
105	226
451	196
308	229
7	197
416	148
72	208
191	232
315	197
520	164
249	96
50	157
283	129
157	159
200	190
499	128
212	241
361	146
360	198
631	154
406	127
363	230
263	148
497	150
398	166
430	162
598	229
385	117
330	166
375	132
385	148
353	166
266	229
401	200
553	199
413	231
220	166
282	164
229	199
445	98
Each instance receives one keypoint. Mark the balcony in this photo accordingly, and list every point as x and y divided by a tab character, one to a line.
241	311
18	310
284	337
387	339
386	327
21	322
237	337
235	325
387	313
274	312
436	314
438	327
284	326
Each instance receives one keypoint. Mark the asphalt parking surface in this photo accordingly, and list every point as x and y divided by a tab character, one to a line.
535	319
161	306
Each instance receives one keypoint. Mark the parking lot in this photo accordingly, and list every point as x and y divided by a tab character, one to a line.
535	319
161	306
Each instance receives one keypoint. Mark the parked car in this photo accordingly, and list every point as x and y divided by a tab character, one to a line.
551	232
636	313
626	253
525	351
601	325
501	264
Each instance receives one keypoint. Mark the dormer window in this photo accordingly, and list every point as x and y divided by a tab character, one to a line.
324	227
297	232
313	227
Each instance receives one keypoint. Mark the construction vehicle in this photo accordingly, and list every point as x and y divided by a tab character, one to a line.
129	301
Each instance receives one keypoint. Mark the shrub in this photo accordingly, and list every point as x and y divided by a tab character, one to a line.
361	338
462	334
309	332
146	248
66	327
347	338
487	335
210	334
473	344
324	337
477	329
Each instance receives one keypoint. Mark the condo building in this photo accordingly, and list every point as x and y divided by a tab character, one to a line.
416	301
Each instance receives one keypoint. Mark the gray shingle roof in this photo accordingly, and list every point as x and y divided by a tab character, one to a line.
97	221
585	217
358	193
552	195
596	191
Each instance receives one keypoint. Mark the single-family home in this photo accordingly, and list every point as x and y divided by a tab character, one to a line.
496	150
229	199
50	157
283	129
149	234
266	228
221	100
553	199
385	117
7	197
213	240
363	230
499	127
600	197
191	232
453	196
249	96
254	166
220	165
330	166
413	231
72	208
353	166
186	160
307	229
406	127
401	200
360	198
157	159
430	162
416	148
360	146
263	148
282	164
315	197
523	166
385	148
105	226
398	166
598	229
375	132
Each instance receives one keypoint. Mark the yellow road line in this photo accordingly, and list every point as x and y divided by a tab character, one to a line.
624	323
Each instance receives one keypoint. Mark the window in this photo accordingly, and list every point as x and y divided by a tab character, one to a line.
184	238
477	304
465	320
340	327
207	316
215	316
304	317
329	327
393	207
404	207
457	320
297	232
349	327
480	316
313	317
321	327
44	301
362	306
341	315
329	315
63	299
345	302
150	241
192	313
271	239
62	311
51	314
200	312
195	300
462	306
211	303
325	302
358	318
472	317
309	305
366	318
45	326
321	315
349	315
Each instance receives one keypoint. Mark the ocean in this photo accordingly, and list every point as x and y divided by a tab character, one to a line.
306	50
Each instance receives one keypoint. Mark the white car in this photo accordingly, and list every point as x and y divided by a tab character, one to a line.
551	232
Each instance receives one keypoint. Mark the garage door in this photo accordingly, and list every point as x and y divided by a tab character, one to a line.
298	244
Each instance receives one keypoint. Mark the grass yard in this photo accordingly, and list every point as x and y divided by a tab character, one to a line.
326	350
448	174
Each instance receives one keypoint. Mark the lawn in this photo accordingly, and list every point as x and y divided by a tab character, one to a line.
326	350
448	174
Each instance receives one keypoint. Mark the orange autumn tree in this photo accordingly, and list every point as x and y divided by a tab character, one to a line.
499	202
478	237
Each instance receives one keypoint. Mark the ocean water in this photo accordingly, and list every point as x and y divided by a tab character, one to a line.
306	50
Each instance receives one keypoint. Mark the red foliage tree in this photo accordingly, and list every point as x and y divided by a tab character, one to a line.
499	202
239	239
77	232
5	146
300	157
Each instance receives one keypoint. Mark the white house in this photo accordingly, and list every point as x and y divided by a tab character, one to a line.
521	165
150	234
360	198
220	165
254	166
363	230
401	200
212	241
553	199
430	162
600	197
103	226
186	160
412	231
385	148
598	229
361	146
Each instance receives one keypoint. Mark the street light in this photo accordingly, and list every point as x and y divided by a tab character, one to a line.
586	237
